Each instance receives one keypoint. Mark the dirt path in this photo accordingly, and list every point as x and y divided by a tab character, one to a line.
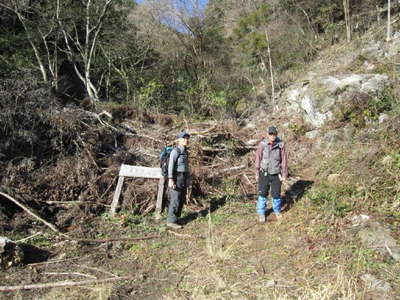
222	253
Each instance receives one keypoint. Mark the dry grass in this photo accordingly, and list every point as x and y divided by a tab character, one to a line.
308	256
220	246
96	292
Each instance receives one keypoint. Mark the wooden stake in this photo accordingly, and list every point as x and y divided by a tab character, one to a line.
117	193
160	197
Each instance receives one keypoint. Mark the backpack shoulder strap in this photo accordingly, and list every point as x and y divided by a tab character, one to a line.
179	153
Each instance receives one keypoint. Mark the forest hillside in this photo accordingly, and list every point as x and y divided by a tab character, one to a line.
89	86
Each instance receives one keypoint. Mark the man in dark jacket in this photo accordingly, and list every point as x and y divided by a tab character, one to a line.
271	169
178	179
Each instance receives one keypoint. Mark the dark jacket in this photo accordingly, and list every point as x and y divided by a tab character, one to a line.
178	162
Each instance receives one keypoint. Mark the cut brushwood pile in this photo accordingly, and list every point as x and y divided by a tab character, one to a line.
86	174
216	150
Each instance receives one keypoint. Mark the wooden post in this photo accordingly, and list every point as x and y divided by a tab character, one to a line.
117	193
141	172
160	197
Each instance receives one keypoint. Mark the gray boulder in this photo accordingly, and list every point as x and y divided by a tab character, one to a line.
377	289
376	237
316	100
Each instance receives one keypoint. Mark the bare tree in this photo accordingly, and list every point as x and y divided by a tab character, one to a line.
346	7
270	66
389	27
86	49
18	9
43	36
185	26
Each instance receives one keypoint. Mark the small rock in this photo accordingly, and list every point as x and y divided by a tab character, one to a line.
374	284
383	118
368	66
387	161
312	134
378	238
360	220
250	126
334	178
270	283
396	204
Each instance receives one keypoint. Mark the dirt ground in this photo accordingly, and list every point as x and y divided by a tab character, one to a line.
222	253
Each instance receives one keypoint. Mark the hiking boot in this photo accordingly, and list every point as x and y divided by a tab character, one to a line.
174	226
261	218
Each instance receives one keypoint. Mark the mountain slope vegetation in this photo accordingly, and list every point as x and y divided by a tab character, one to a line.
87	86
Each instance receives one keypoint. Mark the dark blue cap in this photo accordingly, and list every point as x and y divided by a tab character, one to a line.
183	135
272	130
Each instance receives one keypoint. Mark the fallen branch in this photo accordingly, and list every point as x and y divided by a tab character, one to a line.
96	269
247	179
150	208
200	133
145	152
225	148
56	261
180	234
227	170
110	240
133	133
148	137
51	226
109	187
29	237
70	274
62	203
58	284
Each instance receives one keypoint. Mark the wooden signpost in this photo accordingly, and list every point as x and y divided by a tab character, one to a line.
141	172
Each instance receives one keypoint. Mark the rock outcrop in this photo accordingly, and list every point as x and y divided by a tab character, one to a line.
316	100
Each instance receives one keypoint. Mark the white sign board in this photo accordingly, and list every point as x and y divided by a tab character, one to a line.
143	172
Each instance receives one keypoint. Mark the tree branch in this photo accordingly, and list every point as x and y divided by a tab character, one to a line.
51	226
59	284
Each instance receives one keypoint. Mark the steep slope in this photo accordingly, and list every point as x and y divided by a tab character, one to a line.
339	237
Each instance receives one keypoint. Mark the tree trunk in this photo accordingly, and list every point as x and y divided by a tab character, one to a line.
346	7
270	67
30	40
389	27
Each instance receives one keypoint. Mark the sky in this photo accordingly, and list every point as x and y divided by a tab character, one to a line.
202	3
190	7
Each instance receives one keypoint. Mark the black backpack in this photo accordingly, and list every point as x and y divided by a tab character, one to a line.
164	159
